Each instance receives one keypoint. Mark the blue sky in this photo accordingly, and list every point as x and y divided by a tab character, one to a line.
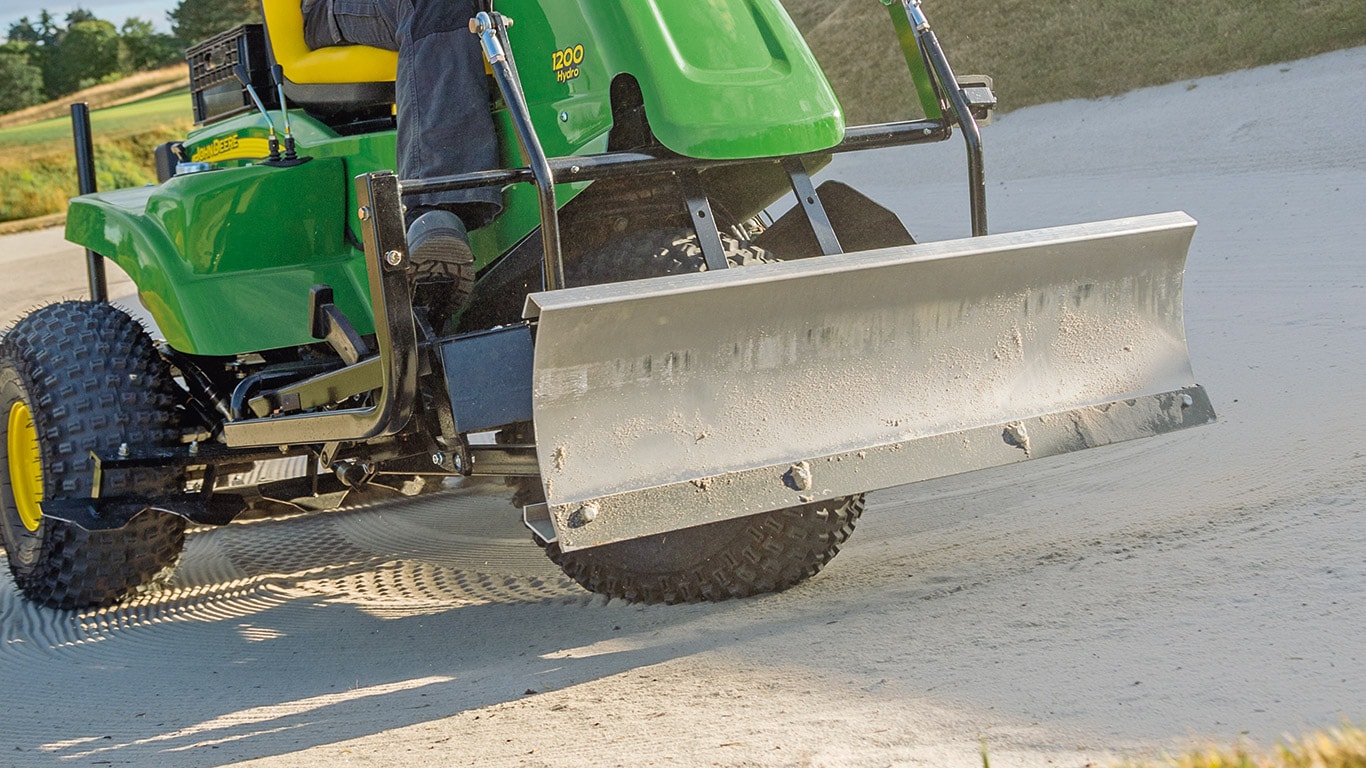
110	10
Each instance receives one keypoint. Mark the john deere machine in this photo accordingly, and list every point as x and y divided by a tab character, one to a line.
689	396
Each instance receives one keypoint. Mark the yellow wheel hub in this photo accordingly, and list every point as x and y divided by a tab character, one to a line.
25	466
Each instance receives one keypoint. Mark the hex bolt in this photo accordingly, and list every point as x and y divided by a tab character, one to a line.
393	258
1187	401
123	450
364	213
801	476
588	512
194	447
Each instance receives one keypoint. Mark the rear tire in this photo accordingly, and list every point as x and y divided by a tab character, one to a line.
78	377
745	556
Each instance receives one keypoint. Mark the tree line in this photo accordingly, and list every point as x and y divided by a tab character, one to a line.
43	59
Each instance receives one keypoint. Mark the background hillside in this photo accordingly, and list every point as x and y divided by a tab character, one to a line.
1037	52
1063	49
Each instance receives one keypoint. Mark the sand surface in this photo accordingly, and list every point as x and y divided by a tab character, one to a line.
1205	585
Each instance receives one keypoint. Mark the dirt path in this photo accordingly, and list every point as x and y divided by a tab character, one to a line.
40	267
1209	584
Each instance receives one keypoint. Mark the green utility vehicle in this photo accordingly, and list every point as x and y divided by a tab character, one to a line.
689	397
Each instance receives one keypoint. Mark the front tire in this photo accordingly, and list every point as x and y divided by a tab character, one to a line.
655	253
740	557
76	378
744	556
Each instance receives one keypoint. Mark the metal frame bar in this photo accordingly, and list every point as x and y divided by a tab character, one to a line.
85	176
492	31
703	220
972	134
504	460
618	164
322	389
386	259
810	201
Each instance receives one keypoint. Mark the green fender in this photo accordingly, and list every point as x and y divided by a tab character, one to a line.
215	253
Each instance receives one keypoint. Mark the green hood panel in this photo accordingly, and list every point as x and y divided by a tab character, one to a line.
733	78
720	78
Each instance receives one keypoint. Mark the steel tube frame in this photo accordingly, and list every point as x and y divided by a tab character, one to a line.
492	31
810	201
972	133
618	164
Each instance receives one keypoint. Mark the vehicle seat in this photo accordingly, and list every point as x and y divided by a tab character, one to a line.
350	81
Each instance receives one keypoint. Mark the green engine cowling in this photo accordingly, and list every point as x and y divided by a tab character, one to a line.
223	259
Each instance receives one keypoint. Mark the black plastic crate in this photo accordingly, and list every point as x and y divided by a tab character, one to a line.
216	91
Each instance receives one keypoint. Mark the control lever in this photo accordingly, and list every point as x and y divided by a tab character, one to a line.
277	73
241	73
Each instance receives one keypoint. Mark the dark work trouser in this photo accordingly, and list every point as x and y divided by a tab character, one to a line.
444	125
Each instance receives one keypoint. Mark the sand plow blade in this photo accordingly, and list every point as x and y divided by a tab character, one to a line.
667	403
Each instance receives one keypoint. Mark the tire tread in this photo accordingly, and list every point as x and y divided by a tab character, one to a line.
767	552
94	382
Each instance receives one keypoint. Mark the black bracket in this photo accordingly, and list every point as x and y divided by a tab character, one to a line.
331	325
810	202
703	220
386	259
85	178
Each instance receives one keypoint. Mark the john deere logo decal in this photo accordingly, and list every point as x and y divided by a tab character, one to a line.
231	148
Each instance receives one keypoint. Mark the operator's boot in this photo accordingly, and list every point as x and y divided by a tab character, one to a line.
443	265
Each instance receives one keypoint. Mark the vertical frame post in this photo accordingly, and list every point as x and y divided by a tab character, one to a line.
492	34
85	177
972	134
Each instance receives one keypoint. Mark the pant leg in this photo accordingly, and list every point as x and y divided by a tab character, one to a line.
444	125
351	22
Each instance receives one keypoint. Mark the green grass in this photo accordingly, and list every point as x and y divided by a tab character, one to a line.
37	169
114	122
1339	748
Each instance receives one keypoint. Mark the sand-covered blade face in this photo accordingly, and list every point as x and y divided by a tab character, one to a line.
671	402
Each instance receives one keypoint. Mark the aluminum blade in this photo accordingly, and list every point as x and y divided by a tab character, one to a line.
665	403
